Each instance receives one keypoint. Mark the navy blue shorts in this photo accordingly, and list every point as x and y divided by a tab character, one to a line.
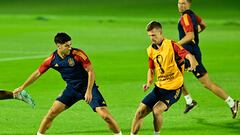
70	96
169	97
200	69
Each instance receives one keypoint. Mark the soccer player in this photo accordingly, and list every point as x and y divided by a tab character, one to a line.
166	57
189	27
77	71
23	96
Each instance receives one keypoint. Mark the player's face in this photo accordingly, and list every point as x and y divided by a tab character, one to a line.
65	48
183	5
155	35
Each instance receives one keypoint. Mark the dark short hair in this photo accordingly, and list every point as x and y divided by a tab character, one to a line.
189	1
153	24
62	38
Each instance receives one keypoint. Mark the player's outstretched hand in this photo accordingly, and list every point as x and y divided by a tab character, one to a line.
88	97
145	87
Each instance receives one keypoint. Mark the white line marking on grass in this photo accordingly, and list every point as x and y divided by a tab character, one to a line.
23	58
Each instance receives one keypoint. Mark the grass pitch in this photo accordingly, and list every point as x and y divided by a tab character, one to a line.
114	37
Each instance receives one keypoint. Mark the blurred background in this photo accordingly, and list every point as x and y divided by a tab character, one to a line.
113	35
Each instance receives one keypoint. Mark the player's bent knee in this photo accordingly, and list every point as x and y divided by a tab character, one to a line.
49	117
105	116
52	114
103	113
157	111
140	114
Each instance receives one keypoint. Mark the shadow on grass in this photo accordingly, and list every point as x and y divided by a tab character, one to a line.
228	126
233	126
78	132
97	131
88	132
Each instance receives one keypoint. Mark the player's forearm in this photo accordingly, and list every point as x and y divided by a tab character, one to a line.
33	77
150	77
187	38
91	78
202	26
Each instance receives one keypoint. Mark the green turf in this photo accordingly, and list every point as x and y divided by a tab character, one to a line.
113	34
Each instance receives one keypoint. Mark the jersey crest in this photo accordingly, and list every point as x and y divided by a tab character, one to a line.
71	62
